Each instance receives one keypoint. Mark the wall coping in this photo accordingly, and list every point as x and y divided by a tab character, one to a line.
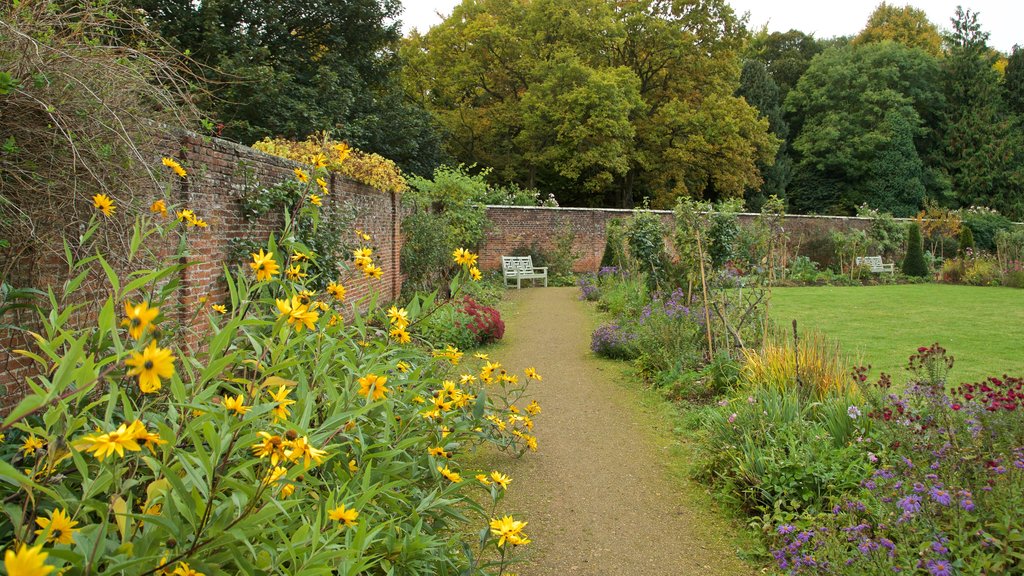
630	211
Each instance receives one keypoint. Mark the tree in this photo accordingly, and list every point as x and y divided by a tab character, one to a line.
595	99
895	182
291	68
907	25
787	55
845	110
1013	81
760	91
914	263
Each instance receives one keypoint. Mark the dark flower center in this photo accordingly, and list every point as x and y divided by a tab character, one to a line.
148	365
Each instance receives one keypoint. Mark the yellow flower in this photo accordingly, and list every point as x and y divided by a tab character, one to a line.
533	408
236	405
373	271
145	438
140	316
316	200
488	369
500	479
318	161
220	308
184	569
336	290
301	449
400	335
403	366
453	477
295	273
531	442
59	527
299	256
531	373
159	207
287	490
275	474
272	446
509	530
196	221
343	151
353	467
398	316
173	165
301	175
372	385
264	265
475	274
104	204
281	411
31	444
298	314
437	451
482	478
346	517
362	254
152	365
103	445
27	561
464	257
323	186
362	235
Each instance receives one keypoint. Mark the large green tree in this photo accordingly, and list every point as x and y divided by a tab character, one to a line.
292	67
905	25
854	106
761	91
600	101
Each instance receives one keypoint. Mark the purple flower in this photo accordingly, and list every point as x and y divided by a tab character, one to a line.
938	568
967	504
872	458
940	496
939	548
910	504
853	412
732	418
785	529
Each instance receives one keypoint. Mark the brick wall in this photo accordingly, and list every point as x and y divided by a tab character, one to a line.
219	173
519	227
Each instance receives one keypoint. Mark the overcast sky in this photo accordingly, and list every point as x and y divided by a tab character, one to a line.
1003	19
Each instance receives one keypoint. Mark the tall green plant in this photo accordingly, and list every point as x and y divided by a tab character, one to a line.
646	237
914	263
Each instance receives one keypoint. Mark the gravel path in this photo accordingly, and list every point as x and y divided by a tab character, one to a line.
597	495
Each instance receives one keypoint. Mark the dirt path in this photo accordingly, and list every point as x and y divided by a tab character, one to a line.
597	495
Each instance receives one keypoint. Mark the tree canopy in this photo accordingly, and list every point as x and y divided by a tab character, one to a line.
904	25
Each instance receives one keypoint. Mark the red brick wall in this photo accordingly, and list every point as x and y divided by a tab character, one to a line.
219	173
517	227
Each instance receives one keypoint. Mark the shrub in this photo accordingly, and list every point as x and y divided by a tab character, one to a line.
815	367
667	333
646	239
484	321
982	271
611	341
985	224
914	263
589	289
614	254
279	436
320	150
966	241
448	326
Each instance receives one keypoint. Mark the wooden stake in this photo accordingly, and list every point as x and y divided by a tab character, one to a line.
704	287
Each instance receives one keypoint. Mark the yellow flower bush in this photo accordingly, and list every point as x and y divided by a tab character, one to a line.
274	439
319	151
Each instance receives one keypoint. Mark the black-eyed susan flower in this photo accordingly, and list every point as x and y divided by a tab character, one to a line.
318	161
373	271
336	290
301	175
482	478
501	479
264	265
400	335
297	313
533	408
509	530
301	449
27	561
532	373
475	273
110	443
294	272
299	256
145	438
59	527
236	405
159	207
184	569
403	366
316	200
220	308
362	235
104	204
437	452
173	165
152	365
398	316
373	387
323	186
464	257
346	517
281	410
31	444
271	446
353	466
185	215
341	152
453	477
139	318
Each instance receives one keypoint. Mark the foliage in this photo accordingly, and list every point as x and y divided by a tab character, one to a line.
370	169
588	97
562	257
913	262
645	236
761	91
1010	246
723	234
905	25
614	245
277	427
885	234
82	87
848	246
938	224
289	69
448	326
985	225
667	334
812	366
966	240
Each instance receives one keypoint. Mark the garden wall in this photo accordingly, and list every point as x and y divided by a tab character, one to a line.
523	227
219	173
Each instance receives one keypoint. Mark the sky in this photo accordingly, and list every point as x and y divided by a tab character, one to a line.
1001	18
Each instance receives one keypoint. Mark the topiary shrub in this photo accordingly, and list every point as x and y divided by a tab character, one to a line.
913	263
966	240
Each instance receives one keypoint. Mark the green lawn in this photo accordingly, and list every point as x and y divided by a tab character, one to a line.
983	328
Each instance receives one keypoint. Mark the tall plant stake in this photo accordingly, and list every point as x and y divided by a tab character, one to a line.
704	286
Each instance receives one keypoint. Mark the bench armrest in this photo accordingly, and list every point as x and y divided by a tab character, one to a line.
544	268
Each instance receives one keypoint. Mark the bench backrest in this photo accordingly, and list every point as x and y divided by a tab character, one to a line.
872	261
517	264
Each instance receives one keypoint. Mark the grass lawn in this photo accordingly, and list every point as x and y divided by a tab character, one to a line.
983	328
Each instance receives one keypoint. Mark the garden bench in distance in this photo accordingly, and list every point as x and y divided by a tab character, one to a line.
521	268
875	262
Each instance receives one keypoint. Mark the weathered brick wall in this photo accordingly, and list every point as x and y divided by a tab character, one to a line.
219	173
522	227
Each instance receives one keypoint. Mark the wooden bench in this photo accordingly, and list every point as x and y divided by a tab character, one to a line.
876	264
521	268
